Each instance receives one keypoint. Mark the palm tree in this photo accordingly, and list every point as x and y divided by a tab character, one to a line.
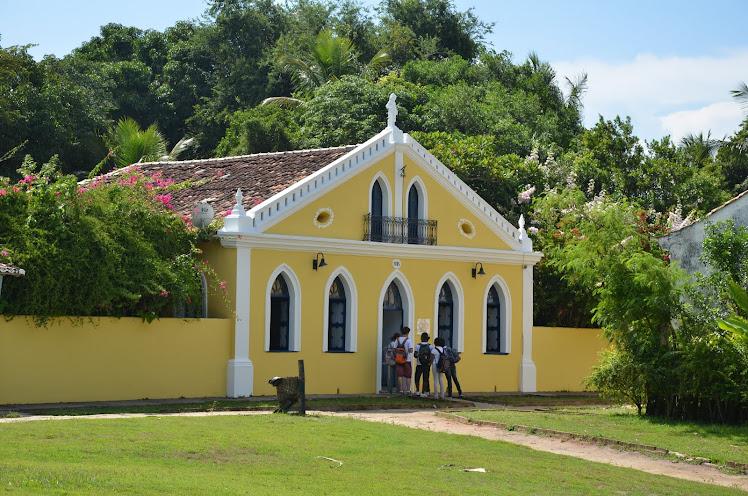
330	57
129	144
700	147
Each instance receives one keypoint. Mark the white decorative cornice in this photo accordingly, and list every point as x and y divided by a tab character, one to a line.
282	242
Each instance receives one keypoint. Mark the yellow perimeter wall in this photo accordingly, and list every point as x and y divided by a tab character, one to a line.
564	357
120	359
113	359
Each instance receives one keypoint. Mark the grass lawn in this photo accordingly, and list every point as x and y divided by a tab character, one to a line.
280	454
331	403
540	399
713	441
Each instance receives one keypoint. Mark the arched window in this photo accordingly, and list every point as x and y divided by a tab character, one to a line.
280	303
493	322
413	215
377	212
392	300
446	316
336	323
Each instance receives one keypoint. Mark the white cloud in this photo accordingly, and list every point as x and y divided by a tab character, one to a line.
719	118
664	95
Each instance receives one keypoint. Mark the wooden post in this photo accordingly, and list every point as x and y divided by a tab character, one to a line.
302	389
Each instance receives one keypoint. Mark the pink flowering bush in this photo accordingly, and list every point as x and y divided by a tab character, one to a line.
111	246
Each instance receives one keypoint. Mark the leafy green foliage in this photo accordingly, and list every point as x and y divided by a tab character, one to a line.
109	247
667	352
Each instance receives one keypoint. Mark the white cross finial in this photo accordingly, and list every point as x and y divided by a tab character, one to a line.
391	111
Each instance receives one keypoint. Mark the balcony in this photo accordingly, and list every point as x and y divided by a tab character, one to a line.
399	230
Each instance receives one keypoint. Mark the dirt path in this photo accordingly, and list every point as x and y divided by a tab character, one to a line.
632	459
427	420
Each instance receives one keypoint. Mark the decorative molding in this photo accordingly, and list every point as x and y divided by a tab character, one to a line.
279	206
374	249
463	231
423	197
505	325
351	310
458	308
406	295
294	311
466	194
327	221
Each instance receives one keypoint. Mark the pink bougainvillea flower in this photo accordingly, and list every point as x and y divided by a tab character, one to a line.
2	192
4	253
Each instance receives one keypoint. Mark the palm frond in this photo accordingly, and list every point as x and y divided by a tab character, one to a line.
741	94
180	147
283	101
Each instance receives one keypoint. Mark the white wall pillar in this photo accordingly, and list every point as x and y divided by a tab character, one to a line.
240	373
399	179
527	373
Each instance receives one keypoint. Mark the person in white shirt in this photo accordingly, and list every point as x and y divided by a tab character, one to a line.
438	376
404	371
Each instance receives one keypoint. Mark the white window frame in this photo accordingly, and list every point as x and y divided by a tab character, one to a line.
458	305
294	310
351	310
505	319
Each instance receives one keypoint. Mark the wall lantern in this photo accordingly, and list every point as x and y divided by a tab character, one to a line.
319	262
480	272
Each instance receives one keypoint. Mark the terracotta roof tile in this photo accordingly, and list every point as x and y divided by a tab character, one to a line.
259	176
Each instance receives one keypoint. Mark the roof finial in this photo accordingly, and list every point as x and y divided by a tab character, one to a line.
238	208
391	111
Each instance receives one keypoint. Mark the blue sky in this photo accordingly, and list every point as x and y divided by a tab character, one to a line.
670	65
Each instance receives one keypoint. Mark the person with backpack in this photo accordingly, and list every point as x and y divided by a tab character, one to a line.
403	356
440	366
424	358
454	357
389	360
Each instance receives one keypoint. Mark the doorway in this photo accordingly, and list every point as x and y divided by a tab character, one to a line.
392	322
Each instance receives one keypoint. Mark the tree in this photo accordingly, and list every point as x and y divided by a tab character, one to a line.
452	32
329	58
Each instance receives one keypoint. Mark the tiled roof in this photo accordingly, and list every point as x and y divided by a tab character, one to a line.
731	200
10	270
259	176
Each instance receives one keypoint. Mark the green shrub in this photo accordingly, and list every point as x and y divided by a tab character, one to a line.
111	246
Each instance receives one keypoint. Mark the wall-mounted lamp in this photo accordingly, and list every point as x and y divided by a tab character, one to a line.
402	170
477	272
317	263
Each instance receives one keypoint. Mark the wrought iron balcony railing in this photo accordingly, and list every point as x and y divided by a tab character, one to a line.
399	230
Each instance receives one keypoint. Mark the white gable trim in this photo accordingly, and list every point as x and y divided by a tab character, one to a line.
464	193
279	206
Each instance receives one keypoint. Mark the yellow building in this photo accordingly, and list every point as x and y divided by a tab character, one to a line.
328	252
